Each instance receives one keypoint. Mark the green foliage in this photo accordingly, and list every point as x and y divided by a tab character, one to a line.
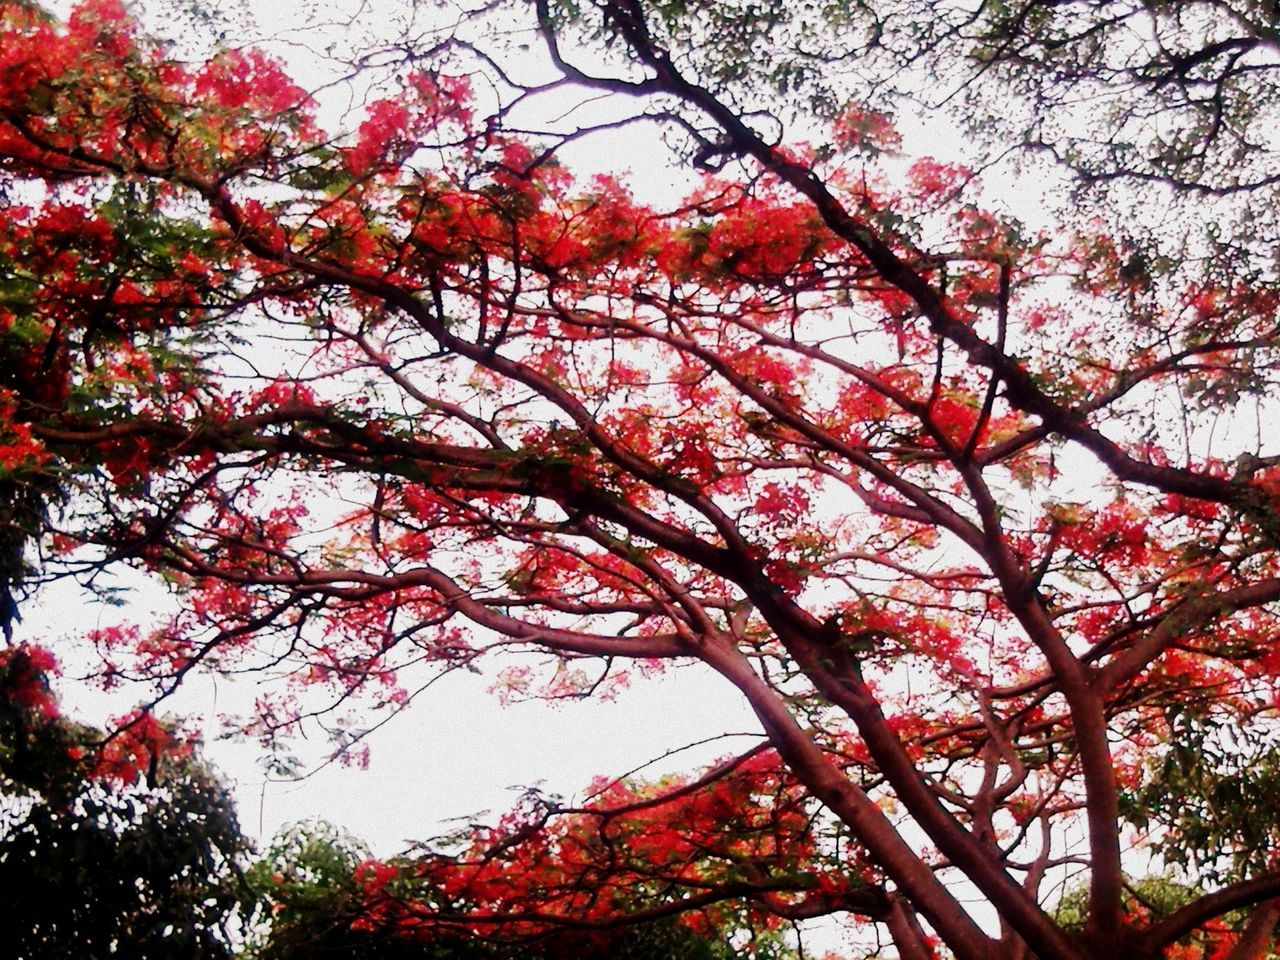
93	869
1203	792
23	515
1156	895
306	882
742	49
153	869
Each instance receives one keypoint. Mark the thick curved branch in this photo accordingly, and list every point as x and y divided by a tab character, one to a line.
1200	911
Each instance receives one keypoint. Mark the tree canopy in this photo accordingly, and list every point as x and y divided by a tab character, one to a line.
109	846
979	515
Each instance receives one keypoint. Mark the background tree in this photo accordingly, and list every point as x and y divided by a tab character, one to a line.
980	520
1181	92
326	896
94	861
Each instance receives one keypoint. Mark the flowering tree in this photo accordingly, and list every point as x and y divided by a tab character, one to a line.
980	520
323	896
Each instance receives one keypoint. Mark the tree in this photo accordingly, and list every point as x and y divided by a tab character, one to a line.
980	520
328	897
1180	93
131	844
93	861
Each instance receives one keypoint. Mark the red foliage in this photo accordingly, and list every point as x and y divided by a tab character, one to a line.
838	443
